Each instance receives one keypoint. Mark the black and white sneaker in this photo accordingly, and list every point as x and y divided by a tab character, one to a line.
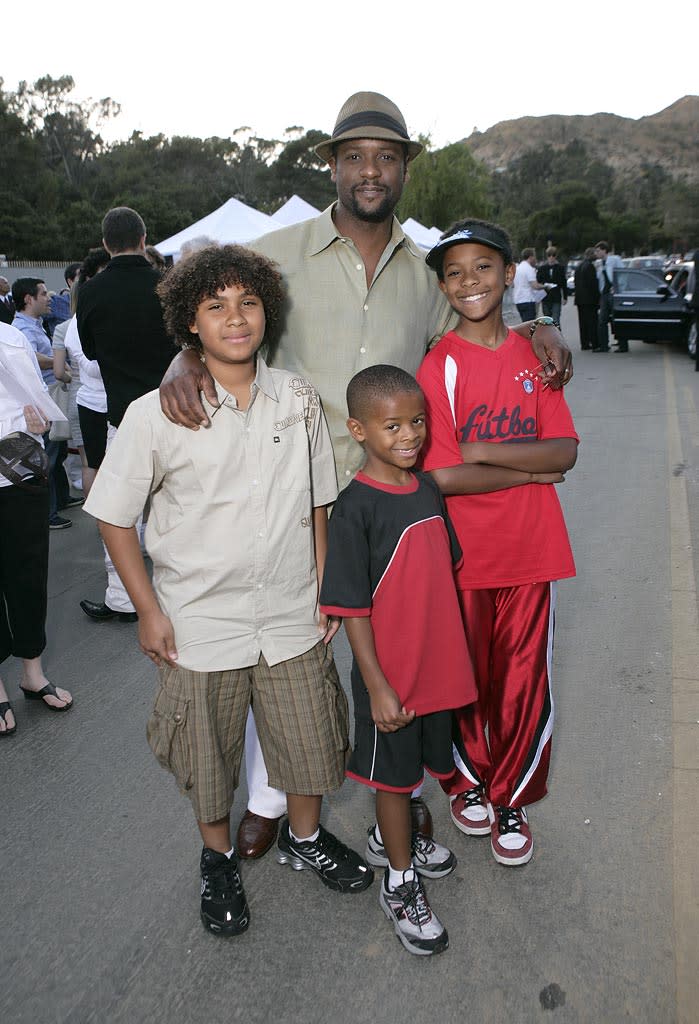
224	909
429	858
406	907
336	865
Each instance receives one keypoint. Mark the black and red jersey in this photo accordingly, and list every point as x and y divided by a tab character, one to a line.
391	553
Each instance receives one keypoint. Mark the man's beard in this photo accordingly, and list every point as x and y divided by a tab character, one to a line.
376	214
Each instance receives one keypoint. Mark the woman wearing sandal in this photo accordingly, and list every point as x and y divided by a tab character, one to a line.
24	531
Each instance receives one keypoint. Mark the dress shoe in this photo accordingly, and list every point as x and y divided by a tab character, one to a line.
101	613
420	817
255	835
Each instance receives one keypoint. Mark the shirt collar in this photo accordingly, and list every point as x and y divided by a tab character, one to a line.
323	233
32	325
128	260
264	382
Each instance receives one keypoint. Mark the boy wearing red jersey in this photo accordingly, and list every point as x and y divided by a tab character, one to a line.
497	443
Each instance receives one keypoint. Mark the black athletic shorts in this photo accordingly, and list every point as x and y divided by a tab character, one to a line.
396	761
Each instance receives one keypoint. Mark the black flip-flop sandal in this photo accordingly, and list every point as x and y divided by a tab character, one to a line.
47	691
5	706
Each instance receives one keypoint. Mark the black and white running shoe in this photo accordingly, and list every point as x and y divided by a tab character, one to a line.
406	907
336	865
224	909
429	858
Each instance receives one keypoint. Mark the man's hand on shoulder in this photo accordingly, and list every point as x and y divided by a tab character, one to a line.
553	353
180	400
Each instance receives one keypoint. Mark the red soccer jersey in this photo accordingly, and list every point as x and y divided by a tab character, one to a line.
517	535
390	554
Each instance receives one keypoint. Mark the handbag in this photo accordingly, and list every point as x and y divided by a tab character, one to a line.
60	429
23	461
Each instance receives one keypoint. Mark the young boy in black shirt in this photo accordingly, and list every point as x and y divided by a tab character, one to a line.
389	574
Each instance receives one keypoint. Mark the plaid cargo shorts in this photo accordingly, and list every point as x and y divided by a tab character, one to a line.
197	728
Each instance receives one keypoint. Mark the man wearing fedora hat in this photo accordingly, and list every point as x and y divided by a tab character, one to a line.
358	293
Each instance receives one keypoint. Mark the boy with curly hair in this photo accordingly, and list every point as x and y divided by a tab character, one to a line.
237	534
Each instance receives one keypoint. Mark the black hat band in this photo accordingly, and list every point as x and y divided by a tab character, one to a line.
373	118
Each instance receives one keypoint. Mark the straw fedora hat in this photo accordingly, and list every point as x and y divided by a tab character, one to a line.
369	115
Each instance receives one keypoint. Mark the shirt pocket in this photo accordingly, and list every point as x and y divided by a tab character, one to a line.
291	459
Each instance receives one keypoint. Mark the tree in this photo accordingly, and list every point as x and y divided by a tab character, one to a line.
571	220
680	214
445	185
298	170
62	124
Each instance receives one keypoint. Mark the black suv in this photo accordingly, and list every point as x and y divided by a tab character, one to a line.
648	308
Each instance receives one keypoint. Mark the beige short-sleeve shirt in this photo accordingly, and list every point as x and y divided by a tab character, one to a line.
335	325
230	529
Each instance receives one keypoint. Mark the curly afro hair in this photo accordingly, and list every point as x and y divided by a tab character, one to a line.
207	272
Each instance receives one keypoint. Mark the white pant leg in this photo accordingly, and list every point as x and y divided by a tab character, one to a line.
116	596
417	792
262	799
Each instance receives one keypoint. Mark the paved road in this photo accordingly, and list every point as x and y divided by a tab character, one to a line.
99	889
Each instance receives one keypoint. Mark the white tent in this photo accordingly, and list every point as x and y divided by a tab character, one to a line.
232	222
422	236
295	210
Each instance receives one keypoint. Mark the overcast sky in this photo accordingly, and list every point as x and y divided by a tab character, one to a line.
210	67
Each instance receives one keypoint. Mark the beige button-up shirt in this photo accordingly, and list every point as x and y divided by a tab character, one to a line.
336	326
230	529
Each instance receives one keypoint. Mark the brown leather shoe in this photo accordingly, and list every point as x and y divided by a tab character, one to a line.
420	817
256	835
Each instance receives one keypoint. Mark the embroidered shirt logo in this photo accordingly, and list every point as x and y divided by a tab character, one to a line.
527	377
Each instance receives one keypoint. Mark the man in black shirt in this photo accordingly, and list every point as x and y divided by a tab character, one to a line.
552	276
120	324
587	299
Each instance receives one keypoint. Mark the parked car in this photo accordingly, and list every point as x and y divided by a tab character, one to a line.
647	308
692	301
645	262
673	260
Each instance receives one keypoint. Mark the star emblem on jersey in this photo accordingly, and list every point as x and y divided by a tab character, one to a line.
527	378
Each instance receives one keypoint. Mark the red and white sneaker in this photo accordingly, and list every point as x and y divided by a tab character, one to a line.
510	837
469	812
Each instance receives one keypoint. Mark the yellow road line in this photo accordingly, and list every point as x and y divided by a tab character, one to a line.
685	703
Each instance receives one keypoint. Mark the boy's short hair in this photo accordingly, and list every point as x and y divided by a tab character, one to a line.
23	287
375	383
470	230
122	229
70	271
603	245
526	253
96	258
207	272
